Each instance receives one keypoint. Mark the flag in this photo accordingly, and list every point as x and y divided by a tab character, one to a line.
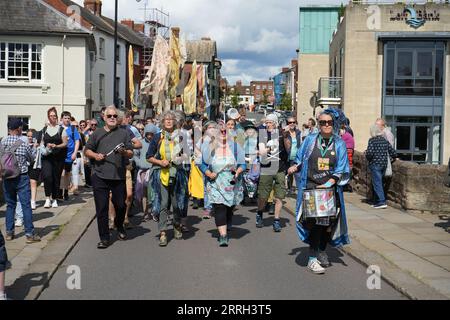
175	62
190	92
131	77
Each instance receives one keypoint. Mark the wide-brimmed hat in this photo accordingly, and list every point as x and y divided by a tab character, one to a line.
232	113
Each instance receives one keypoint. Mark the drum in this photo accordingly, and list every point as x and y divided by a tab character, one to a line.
318	203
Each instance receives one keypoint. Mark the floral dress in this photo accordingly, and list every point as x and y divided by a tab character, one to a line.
220	190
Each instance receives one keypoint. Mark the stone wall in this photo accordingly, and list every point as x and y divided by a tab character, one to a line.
412	187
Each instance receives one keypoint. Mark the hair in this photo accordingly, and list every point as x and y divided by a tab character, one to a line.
167	114
120	114
103	109
93	120
229	119
375	131
381	119
180	117
66	114
128	114
111	107
31	130
82	121
52	109
313	122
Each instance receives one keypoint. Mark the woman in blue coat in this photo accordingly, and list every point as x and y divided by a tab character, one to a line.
322	162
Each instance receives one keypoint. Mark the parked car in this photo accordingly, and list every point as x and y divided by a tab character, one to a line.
270	108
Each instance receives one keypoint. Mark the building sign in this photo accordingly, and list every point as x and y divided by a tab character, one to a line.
415	18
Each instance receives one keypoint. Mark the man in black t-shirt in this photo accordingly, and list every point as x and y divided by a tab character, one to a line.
274	163
109	149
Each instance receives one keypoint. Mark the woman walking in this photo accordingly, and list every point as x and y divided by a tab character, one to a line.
379	152
292	142
34	138
323	163
55	141
223	164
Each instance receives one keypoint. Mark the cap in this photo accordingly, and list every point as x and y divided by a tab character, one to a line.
14	124
151	128
272	117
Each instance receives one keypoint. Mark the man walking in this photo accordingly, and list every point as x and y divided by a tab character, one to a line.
274	163
109	148
19	185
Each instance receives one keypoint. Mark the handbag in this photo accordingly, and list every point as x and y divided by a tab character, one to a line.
388	172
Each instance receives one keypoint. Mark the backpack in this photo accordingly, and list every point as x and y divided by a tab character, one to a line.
9	165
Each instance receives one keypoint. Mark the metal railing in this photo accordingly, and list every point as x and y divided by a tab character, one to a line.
330	88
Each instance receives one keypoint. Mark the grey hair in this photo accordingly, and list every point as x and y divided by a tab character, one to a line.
120	114
375	131
111	107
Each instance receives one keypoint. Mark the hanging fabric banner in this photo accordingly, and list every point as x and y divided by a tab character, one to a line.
190	92
175	63
131	78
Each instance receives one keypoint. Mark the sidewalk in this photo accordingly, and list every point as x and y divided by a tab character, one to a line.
412	250
32	265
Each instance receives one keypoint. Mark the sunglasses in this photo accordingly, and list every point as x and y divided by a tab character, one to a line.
93	124
109	116
292	122
324	123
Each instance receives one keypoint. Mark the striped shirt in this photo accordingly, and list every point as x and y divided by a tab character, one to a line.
24	153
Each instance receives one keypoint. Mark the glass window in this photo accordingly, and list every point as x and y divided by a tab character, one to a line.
390	68
2	60
404	63
403	82
102	48
101	89
136	57
421	157
439	68
436	147
424	64
403	137
16	59
422	137
258	87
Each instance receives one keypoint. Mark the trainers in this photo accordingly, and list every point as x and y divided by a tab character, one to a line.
178	234
323	259
48	203
18	223
259	221
162	240
34	238
33	205
380	206
315	267
55	204
276	226
9	236
223	241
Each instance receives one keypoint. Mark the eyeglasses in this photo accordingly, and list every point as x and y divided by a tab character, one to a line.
324	123
109	116
93	124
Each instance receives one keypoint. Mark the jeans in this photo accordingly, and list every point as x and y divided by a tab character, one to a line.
19	211
19	186
377	183
102	188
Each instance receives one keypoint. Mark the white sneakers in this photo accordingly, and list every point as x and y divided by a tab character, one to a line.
315	267
33	205
18	223
55	204
48	203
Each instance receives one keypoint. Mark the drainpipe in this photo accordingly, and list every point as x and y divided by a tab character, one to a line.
62	73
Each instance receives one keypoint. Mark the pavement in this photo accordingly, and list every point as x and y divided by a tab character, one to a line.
32	265
412	250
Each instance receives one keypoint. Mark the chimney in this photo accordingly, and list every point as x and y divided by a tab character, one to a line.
139	27
239	83
206	38
293	62
128	22
94	6
284	70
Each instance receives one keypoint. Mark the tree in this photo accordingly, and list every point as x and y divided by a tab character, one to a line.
341	10
286	101
235	99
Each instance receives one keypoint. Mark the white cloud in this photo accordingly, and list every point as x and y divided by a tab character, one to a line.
255	36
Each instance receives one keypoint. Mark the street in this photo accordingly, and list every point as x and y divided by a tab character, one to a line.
258	264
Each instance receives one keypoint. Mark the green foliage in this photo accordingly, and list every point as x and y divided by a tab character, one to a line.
341	10
265	96
286	101
235	100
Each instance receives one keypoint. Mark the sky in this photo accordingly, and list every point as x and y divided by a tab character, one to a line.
255	38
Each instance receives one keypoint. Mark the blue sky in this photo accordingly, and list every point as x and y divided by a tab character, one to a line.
255	38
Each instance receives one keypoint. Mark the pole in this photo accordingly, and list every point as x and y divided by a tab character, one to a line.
115	99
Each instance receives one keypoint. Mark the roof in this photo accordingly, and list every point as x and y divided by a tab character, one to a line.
201	50
242	90
34	17
106	25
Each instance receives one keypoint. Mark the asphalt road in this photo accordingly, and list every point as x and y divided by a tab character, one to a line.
258	264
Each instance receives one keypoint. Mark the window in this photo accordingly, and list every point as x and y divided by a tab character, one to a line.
270	87
136	57
264	86
102	48
258	87
26	123
117	87
404	63
20	61
101	89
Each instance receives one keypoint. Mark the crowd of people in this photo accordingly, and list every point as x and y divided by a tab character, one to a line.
160	164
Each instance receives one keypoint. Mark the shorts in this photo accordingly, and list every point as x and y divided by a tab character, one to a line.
3	255
68	167
269	182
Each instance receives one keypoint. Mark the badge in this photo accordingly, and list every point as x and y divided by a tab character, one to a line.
323	164
332	153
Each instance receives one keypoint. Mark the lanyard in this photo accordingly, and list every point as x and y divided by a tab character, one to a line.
323	152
